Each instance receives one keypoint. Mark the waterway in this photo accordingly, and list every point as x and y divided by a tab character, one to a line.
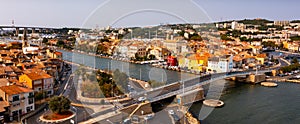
247	104
244	103
144	72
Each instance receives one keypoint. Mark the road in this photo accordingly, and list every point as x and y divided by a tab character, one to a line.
64	88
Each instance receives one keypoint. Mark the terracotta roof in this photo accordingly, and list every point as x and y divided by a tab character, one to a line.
58	53
14	89
197	57
3	105
16	69
237	58
36	74
2	71
262	55
3	82
8	69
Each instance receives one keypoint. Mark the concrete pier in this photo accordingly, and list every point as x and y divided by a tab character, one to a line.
252	78
190	96
17	31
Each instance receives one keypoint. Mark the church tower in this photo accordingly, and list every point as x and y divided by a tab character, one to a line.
24	39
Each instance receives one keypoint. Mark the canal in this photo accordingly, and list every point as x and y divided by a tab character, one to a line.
244	103
143	72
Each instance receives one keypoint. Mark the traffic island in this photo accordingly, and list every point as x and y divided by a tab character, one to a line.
213	103
51	117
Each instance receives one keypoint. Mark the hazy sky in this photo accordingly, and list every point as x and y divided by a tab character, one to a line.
101	13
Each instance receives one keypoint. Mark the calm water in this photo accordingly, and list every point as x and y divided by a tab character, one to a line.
244	104
145	72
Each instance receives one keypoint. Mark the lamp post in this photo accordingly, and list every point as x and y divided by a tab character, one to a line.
142	112
75	114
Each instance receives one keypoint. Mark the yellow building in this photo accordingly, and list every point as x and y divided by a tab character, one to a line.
38	80
261	58
197	62
285	44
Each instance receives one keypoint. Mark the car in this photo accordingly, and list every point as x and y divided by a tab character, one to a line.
135	119
140	99
127	121
149	116
171	112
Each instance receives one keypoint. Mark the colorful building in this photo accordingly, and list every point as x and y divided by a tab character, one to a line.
172	61
38	80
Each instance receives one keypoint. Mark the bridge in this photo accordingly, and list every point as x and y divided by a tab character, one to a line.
34	29
176	88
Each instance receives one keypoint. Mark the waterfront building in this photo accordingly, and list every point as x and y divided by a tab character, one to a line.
137	49
220	64
172	61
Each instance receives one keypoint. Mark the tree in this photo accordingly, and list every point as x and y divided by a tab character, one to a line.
60	43
91	90
195	37
38	96
59	104
152	57
295	60
121	79
45	40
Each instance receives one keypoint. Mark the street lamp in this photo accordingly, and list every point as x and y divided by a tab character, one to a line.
75	114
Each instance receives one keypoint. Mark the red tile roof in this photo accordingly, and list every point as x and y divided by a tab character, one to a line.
14	89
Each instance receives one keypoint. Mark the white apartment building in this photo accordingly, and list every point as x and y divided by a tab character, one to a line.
220	64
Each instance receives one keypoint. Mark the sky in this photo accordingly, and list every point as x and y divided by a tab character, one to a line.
126	13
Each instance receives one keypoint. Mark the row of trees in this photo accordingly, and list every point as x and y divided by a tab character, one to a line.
102	84
294	66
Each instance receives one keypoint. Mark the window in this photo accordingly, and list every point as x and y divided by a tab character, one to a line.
16	98
28	109
30	101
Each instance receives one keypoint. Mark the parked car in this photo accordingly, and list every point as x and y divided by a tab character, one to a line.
171	112
149	116
142	99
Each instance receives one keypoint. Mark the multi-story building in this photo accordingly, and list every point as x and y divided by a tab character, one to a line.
18	100
220	64
176	46
38	80
136	49
282	23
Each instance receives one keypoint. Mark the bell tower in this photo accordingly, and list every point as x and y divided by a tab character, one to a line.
24	39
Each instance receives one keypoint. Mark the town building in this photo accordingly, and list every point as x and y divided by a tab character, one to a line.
38	81
17	100
220	64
